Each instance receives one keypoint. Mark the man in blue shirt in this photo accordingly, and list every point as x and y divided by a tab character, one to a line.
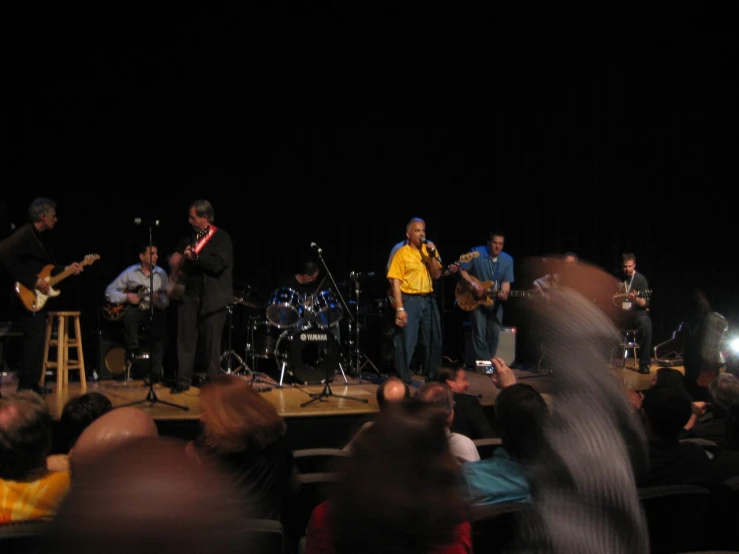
486	320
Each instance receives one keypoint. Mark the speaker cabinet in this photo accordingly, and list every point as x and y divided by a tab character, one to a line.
506	346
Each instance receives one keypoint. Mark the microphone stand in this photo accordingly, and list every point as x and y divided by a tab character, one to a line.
151	396
360	359
326	392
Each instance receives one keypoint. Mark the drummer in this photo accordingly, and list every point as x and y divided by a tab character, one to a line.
304	282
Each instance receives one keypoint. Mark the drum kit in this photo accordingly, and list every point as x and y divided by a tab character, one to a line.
300	333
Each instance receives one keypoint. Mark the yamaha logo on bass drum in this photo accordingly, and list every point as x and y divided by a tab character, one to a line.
313	337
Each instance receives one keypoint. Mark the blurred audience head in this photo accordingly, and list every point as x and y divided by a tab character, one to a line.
146	495
440	396
108	431
520	413
392	389
400	486
667	410
454	375
724	391
235	417
25	434
79	411
669	376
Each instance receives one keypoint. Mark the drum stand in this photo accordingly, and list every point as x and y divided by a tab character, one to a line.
355	354
229	354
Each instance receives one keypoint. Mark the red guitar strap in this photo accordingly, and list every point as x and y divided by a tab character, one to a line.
200	244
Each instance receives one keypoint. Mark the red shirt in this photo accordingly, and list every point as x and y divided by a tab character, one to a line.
320	541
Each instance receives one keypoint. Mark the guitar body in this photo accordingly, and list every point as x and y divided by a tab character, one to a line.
34	300
468	300
114	312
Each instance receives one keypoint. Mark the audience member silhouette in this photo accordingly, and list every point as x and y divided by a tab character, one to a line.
709	419
78	412
671	462
146	495
391	390
441	396
28	490
520	413
114	427
470	418
243	433
398	491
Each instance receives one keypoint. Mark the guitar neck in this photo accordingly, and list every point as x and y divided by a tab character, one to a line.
60	276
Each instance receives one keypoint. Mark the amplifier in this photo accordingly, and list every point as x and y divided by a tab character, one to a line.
506	346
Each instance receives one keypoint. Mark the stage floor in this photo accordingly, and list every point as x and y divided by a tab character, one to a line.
290	399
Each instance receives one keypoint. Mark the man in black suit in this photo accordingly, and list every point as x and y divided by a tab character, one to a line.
470	418
24	254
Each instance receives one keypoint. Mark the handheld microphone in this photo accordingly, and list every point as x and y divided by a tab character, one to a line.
315	247
424	240
152	222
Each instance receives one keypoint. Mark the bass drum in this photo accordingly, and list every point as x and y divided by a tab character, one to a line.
312	355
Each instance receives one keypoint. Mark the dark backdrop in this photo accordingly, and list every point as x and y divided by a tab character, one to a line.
598	129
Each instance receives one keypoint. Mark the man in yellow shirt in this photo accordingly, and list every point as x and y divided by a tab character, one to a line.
412	271
28	490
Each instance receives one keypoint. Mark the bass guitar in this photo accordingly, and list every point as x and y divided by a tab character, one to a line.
462	259
34	300
467	299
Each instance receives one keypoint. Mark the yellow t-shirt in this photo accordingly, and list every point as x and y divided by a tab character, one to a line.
408	266
37	499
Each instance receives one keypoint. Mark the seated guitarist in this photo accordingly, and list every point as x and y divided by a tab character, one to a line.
24	254
486	320
132	289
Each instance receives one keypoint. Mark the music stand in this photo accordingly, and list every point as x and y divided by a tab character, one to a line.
151	396
327	392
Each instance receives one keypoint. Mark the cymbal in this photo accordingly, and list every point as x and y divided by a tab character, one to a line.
250	298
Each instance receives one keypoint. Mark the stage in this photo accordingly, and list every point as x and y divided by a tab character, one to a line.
328	422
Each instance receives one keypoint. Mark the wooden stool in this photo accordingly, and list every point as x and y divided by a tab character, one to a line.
63	342
628	343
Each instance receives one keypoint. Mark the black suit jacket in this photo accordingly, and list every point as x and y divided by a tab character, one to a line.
470	418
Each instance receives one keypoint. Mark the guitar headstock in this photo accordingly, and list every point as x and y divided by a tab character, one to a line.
469	256
89	259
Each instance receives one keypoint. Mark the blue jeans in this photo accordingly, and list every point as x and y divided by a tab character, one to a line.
485	324
423	319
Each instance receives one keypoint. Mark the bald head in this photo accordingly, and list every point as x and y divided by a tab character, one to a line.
146	495
108	431
392	390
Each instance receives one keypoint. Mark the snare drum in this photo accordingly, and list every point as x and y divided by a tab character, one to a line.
284	308
327	311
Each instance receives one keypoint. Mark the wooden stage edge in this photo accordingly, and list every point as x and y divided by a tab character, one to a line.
288	400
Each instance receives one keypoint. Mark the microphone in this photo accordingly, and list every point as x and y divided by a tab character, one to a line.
139	221
315	247
359	274
423	240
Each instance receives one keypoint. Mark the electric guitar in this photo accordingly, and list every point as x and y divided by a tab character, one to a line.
468	300
621	297
113	311
34	300
462	259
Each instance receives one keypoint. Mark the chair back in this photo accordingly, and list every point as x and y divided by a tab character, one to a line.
495	526
486	447
313	488
266	536
666	507
317	460
27	536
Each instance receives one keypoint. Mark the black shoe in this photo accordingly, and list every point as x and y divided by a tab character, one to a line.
644	370
178	388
